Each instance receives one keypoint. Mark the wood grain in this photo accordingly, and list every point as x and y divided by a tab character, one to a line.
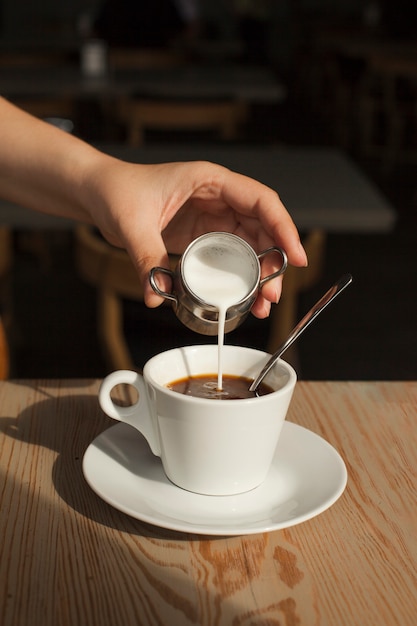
67	558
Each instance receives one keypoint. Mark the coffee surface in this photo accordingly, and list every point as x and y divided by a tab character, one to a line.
206	386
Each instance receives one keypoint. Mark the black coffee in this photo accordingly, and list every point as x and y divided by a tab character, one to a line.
205	386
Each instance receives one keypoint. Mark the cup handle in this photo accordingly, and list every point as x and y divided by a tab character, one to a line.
281	269
154	284
140	414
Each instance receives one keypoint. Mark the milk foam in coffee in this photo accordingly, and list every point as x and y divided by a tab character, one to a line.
218	276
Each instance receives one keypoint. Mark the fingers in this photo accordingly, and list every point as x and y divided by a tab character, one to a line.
199	198
258	201
261	307
152	254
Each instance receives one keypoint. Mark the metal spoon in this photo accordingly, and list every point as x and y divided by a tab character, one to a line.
309	317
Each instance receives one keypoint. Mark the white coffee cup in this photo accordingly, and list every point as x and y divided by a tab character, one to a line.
207	446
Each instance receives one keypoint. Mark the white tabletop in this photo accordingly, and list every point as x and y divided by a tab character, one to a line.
321	187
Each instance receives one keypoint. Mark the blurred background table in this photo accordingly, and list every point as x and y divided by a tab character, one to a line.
69	558
321	187
185	81
324	191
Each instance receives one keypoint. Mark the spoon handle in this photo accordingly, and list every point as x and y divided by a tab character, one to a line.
309	317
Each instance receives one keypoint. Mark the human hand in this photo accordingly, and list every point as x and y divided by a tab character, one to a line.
147	209
152	209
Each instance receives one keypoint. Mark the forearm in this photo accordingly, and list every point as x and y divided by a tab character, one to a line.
42	167
146	209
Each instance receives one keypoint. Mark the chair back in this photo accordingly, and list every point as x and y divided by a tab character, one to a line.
296	280
224	117
105	266
111	272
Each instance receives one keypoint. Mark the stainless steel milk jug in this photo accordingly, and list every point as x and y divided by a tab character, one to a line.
227	250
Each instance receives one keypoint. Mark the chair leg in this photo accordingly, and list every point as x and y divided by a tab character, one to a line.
4	354
283	316
282	321
110	331
6	302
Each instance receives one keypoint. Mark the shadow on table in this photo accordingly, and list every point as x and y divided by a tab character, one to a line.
41	425
157	558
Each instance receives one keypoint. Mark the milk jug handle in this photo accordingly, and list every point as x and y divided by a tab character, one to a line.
281	269
154	284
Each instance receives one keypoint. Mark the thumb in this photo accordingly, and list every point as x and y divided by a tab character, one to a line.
146	257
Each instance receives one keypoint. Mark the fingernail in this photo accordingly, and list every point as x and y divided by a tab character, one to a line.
303	252
278	294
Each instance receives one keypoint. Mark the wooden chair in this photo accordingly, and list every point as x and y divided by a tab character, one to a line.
225	117
5	307
111	272
296	280
4	353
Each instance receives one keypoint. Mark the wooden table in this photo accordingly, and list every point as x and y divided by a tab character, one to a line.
68	558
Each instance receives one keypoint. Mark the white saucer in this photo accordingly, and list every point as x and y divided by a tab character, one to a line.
307	476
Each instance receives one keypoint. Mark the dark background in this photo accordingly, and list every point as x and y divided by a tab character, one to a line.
369	333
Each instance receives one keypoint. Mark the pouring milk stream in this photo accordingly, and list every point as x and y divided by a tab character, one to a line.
218	277
215	284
